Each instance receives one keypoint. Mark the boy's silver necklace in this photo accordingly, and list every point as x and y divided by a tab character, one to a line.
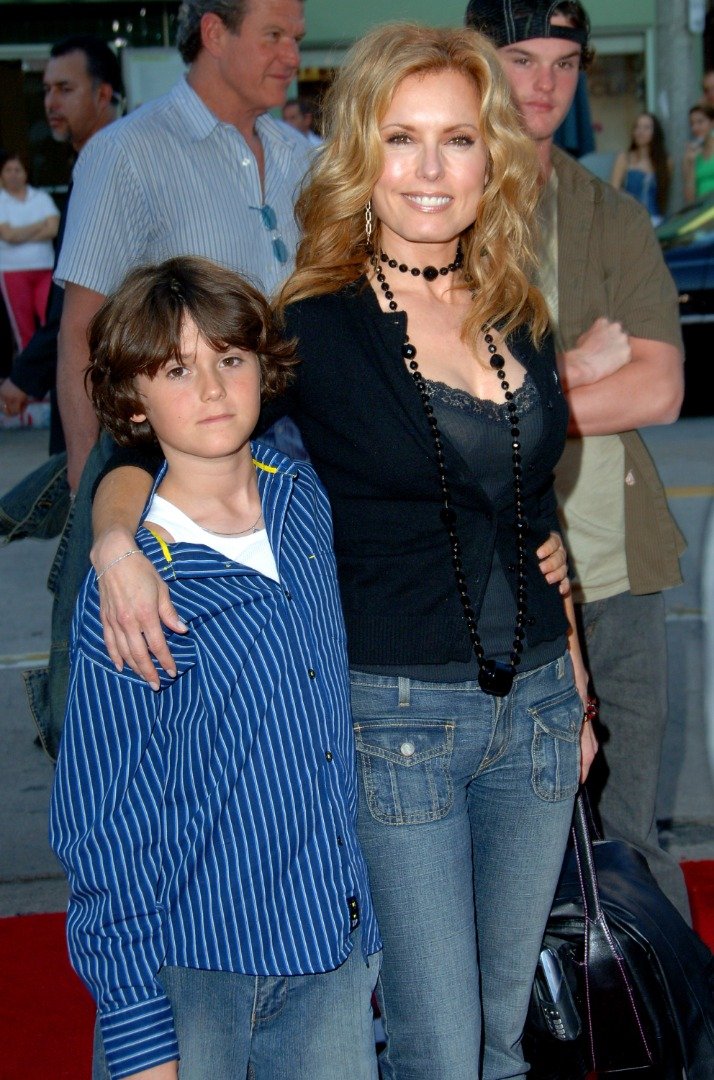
254	528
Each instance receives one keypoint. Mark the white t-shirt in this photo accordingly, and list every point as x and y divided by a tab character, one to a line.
591	504
252	550
34	254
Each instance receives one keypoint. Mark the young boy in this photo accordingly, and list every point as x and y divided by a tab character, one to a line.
220	910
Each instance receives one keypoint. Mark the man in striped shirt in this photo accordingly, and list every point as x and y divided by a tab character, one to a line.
220	909
203	170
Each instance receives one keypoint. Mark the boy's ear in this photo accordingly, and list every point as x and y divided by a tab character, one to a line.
138	417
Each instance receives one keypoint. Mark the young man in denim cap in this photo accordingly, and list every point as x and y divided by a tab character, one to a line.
613	304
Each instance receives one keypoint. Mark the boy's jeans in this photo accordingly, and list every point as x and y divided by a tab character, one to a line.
301	1027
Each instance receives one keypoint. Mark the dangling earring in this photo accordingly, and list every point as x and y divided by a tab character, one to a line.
368	223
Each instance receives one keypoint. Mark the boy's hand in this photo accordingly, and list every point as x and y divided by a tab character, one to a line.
553	559
134	602
167	1071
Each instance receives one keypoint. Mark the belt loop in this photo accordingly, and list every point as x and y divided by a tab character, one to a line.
403	690
560	670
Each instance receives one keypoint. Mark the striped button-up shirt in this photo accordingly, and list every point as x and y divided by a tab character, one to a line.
171	179
212	824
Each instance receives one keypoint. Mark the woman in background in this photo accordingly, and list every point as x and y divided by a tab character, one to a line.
29	221
698	165
645	169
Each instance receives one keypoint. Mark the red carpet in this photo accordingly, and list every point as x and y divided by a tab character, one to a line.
699	877
47	1016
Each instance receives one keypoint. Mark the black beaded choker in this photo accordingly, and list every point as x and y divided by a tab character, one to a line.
494	676
429	272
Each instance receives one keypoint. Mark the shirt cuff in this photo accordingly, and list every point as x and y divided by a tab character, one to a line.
138	1037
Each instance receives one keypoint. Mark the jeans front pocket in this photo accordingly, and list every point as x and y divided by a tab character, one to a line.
405	768
556	745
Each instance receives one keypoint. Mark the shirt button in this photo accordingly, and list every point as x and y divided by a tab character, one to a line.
311	673
328	755
340	841
407	749
288	594
245	162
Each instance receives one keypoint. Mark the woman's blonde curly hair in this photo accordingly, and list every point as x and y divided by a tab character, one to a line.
498	247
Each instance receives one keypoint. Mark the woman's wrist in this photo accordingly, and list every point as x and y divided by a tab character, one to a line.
591	711
110	545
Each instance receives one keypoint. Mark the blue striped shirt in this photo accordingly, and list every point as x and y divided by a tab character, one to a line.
171	179
212	825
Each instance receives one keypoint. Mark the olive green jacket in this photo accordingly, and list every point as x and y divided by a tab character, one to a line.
610	264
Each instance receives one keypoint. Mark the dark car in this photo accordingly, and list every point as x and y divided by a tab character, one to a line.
687	240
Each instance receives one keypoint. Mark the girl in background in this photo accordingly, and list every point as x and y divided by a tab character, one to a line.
645	169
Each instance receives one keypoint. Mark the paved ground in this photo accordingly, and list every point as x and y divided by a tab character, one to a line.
30	879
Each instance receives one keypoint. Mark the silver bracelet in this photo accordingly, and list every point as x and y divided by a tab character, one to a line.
134	551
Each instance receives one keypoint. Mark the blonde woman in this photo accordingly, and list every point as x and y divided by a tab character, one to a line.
429	401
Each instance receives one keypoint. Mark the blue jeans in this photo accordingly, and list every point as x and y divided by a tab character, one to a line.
247	1027
465	806
625	643
47	687
39	504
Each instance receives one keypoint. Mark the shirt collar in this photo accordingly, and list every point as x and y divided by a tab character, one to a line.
271	465
199	122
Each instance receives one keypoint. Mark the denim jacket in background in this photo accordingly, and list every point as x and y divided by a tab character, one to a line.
38	505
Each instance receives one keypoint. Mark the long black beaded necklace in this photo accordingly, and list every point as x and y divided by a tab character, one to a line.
494	676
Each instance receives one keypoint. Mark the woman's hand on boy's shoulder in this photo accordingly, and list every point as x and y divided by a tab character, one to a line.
134	602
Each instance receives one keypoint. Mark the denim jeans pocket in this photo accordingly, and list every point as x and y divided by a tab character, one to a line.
405	769
556	745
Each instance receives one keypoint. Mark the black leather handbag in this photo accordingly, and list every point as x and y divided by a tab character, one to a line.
623	985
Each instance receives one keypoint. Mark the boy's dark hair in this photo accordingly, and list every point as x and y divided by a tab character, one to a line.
102	64
707	110
138	329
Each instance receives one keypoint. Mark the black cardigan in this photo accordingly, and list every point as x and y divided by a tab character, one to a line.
364	427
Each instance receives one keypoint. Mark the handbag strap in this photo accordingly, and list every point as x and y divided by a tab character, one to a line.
613	1000
581	830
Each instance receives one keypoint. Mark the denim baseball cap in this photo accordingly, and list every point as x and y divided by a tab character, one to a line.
507	22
